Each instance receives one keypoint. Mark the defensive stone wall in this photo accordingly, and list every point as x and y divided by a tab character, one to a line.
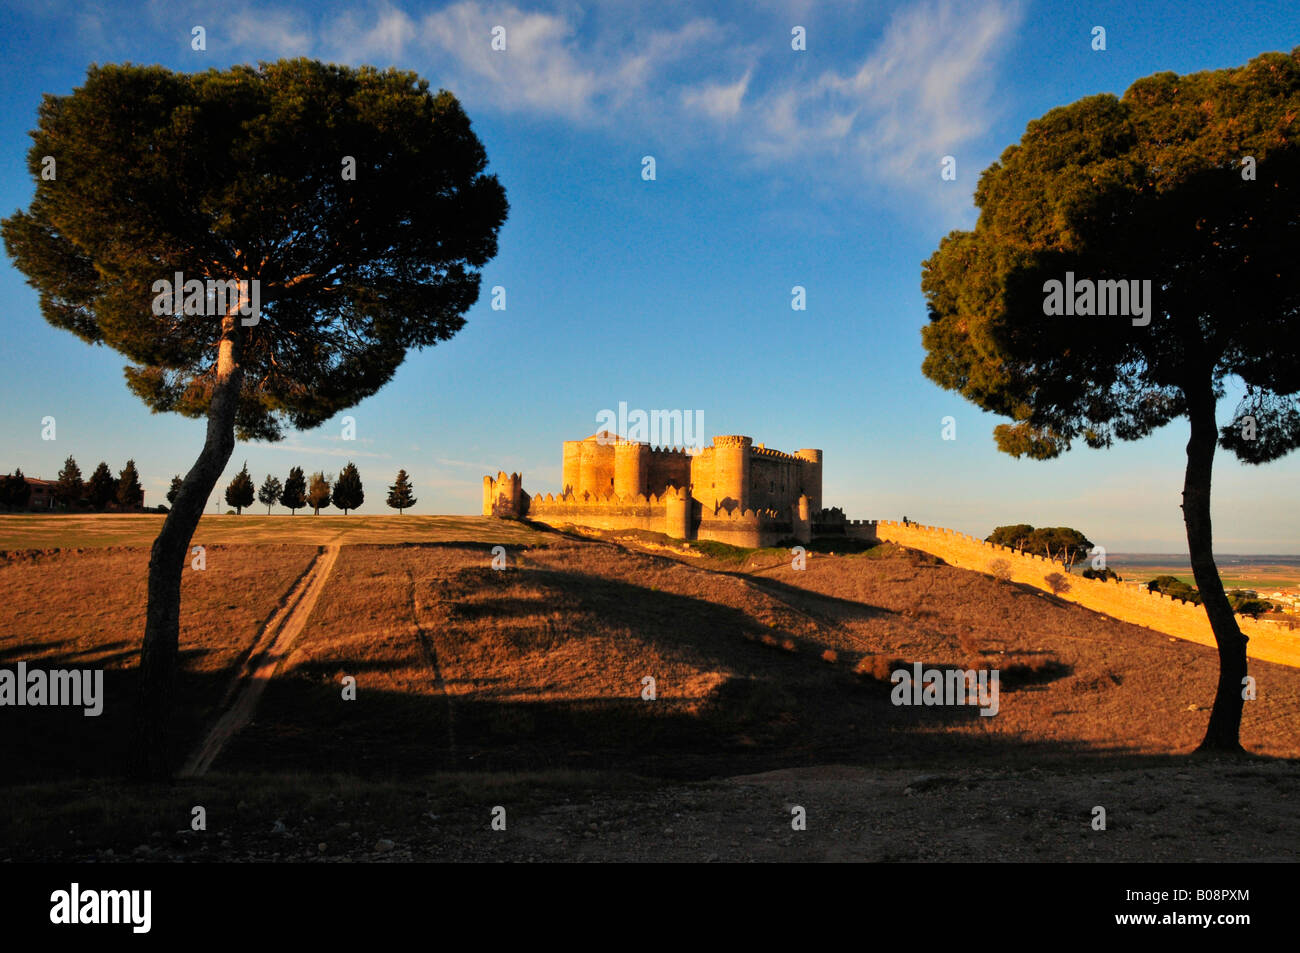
674	512
1268	642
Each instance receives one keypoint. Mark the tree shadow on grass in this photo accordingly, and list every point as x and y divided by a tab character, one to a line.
769	707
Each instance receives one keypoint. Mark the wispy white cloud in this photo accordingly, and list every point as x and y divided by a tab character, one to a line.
717	100
380	36
278	32
548	67
922	87
925	90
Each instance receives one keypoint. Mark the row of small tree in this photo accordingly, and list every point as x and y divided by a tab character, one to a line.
72	492
297	491
1062	544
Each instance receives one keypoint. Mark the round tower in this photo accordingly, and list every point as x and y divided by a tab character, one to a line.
596	466
731	470
631	468
677	512
811	473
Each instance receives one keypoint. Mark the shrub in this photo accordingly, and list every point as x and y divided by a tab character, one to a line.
1105	575
971	647
1001	569
1058	583
877	667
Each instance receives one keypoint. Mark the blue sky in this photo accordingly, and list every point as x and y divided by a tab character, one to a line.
774	168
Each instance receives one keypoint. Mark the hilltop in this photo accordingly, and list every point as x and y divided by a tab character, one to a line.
537	671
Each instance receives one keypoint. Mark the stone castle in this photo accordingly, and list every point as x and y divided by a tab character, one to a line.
733	491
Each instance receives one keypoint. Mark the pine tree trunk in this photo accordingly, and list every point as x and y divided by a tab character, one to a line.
150	757
1223	731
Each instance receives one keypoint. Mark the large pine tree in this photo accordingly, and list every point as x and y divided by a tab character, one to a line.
241	176
348	494
1153	189
399	493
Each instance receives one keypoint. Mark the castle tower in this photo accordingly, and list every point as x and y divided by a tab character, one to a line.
731	470
503	496
811	477
677	512
572	478
631	468
596	464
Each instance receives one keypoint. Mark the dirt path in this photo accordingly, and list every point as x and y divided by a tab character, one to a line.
271	647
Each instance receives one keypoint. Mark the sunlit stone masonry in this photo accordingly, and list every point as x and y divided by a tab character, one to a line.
733	491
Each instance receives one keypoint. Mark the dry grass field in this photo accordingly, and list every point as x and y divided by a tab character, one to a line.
477	686
72	531
85	609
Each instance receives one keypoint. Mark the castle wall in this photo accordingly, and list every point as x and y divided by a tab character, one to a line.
665	468
637	512
702	479
1129	603
802	528
774	479
744	527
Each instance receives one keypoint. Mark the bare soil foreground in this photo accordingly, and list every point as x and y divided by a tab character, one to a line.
528	688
